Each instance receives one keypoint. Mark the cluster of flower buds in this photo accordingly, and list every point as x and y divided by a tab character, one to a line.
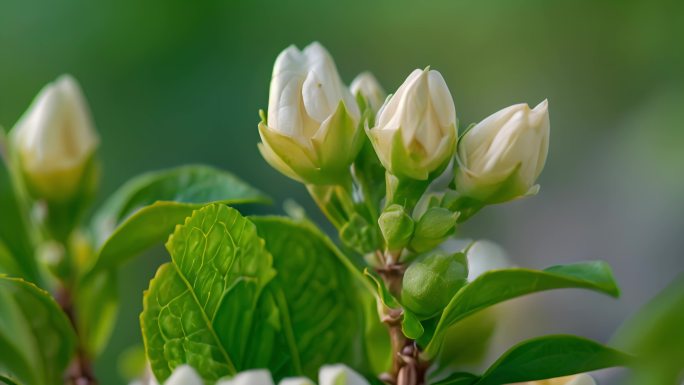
368	158
338	374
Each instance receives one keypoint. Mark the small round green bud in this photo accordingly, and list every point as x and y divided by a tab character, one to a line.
359	235
431	281
433	228
396	227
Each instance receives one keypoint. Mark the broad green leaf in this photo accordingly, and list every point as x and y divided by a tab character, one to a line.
656	335
147	227
475	333
208	306
318	296
496	286
36	338
8	263
7	380
14	232
460	378
145	210
549	357
197	184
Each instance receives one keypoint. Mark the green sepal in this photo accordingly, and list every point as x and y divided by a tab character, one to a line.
396	227
359	235
410	324
433	227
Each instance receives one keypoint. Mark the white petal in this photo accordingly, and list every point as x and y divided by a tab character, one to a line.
56	133
367	85
184	375
441	99
388	117
249	377
582	379
296	381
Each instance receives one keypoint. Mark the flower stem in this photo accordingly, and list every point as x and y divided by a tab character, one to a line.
407	367
80	372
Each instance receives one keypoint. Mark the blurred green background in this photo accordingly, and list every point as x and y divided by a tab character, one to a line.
173	82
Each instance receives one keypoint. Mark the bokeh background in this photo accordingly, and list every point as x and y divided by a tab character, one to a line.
173	82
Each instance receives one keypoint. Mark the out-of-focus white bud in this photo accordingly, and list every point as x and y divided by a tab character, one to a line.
184	375
295	381
500	158
368	86
339	374
249	377
415	130
483	256
581	379
55	141
312	132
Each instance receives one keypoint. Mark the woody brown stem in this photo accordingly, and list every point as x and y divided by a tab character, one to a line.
80	371
407	367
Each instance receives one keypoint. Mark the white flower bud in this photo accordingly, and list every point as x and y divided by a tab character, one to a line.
415	130
295	381
312	131
368	86
184	375
55	140
249	377
339	374
501	157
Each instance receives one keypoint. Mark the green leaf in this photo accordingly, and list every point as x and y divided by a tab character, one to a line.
7	380
147	227
198	184
460	378
145	210
383	293
656	335
18	258
410	324
497	286
36	338
318	296
208	306
549	357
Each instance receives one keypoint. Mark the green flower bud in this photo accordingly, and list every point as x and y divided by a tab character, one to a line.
433	227
431	281
359	235
396	227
